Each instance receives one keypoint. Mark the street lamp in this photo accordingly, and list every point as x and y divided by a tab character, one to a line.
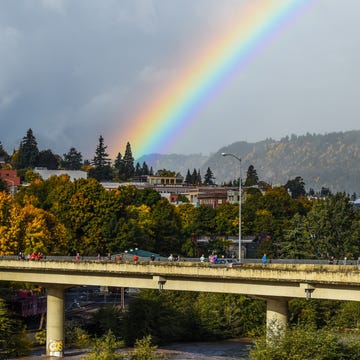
239	159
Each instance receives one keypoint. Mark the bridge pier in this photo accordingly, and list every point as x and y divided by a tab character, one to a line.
276	316
55	339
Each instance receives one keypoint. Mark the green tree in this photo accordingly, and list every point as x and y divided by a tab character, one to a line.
305	344
3	185
227	220
72	160
297	242
13	339
167	227
102	169
188	178
209	177
119	165
252	178
128	159
3	153
47	159
333	227
165	172
104	348
296	187
28	152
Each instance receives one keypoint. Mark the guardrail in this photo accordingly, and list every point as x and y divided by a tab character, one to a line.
127	257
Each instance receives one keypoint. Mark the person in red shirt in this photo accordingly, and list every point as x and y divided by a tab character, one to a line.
136	258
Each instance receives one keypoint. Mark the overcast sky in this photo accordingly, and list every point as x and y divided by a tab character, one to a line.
73	70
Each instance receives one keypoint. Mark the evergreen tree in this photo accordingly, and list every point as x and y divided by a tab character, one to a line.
3	153
138	170
194	177
145	169
296	187
28	152
72	160
129	169
251	177
188	179
209	177
48	160
102	169
101	157
198	179
119	165
3	185
13	340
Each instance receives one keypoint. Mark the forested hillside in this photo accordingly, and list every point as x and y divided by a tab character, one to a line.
331	160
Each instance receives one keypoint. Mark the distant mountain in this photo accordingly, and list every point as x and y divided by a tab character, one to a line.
331	160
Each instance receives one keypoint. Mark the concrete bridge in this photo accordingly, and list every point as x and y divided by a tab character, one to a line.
275	283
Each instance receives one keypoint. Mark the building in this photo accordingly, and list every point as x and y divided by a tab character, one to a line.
212	196
11	178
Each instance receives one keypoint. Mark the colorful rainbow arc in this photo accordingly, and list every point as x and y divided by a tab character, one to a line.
210	70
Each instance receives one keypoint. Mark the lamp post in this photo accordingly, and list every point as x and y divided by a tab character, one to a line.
239	159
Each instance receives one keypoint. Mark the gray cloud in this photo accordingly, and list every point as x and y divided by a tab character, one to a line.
72	70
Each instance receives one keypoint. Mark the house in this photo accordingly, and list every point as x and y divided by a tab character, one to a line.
11	178
212	196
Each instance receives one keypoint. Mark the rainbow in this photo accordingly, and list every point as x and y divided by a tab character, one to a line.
174	107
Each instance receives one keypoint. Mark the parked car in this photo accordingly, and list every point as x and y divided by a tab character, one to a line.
227	262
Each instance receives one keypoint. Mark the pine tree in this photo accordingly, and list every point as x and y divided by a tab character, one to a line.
3	153
188	179
198	179
28	153
209	177
145	169
138	170
72	160
101	157
194	177
251	177
128	162
102	169
48	160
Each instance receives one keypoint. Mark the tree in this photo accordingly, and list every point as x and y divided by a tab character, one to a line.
13	338
196	177
28	152
209	177
138	170
252	178
145	169
3	153
165	173
47	159
188	179
72	160
119	165
305	343
128	159
296	187
3	185
102	170
333	227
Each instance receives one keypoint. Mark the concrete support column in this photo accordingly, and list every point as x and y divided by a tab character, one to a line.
276	316
55	339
